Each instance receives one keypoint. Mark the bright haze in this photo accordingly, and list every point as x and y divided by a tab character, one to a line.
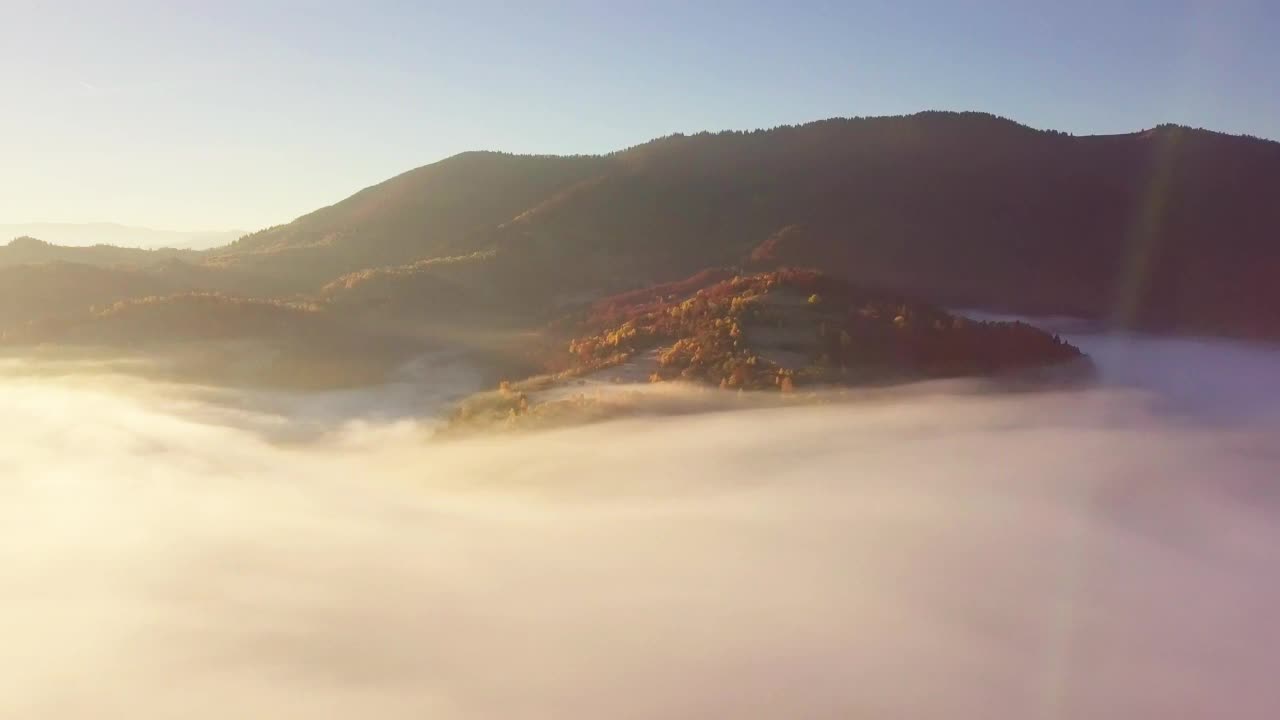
936	553
84	234
247	114
684	360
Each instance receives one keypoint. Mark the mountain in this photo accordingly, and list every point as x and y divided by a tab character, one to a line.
85	234
1169	229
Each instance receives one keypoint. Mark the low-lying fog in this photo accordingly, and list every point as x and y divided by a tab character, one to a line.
1104	553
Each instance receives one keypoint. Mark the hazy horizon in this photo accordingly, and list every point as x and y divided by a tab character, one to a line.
110	233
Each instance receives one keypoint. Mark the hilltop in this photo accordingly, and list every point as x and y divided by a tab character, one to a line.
785	331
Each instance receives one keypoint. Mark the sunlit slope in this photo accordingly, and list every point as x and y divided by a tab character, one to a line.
433	210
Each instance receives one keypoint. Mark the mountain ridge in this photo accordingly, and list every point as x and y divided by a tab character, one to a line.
1169	229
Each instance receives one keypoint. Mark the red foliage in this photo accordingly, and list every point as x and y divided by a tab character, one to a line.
707	334
622	307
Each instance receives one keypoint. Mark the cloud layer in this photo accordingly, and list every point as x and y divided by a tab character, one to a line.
1105	553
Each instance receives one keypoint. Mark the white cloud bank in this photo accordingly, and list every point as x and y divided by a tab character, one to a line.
1102	554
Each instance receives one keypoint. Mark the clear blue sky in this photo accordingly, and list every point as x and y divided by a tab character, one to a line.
231	114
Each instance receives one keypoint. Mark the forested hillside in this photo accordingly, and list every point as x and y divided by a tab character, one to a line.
1169	229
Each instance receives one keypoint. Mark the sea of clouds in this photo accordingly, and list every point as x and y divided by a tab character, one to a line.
1108	552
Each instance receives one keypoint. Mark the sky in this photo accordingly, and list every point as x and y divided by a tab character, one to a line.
200	115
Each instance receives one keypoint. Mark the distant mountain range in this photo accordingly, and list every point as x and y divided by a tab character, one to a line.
1171	229
86	234
26	250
